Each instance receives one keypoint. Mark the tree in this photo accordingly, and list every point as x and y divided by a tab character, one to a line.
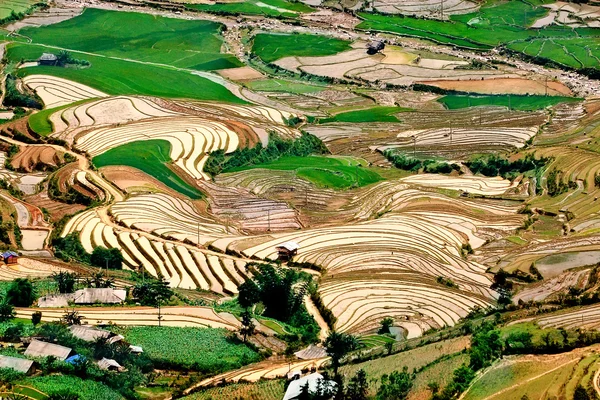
103	257
386	324
248	294
7	312
63	58
98	280
358	387
65	281
338	345
580	393
36	318
248	326
519	341
72	318
21	293
395	386
153	293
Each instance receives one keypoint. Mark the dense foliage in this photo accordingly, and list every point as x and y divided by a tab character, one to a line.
17	99
494	165
303	146
410	163
107	258
21	293
70	247
152	292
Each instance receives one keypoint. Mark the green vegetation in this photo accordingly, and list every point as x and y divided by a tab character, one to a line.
121	77
270	389
14	10
494	165
325	172
193	44
374	114
273	46
13	97
86	389
500	23
281	85
269	8
411	163
151	157
513	102
40	121
201	349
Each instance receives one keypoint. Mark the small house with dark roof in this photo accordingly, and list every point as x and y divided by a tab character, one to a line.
10	257
22	365
286	251
375	47
48	59
37	348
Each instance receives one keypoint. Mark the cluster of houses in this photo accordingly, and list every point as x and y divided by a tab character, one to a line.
37	348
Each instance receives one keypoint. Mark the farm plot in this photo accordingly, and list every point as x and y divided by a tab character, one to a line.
470	183
17	6
512	85
169	217
190	139
57	92
516	102
540	292
28	268
571	14
269	8
388	267
274	46
182	266
587	317
137	36
357	64
431	8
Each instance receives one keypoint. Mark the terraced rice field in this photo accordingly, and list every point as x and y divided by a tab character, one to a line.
18	6
587	317
28	268
466	183
181	265
387	267
57	92
428	7
270	47
513	102
566	280
271	8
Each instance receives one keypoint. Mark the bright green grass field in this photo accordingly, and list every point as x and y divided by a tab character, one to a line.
181	43
86	389
375	114
151	157
40	123
325	172
202	349
516	102
271	46
269	8
280	85
18	6
499	22
117	77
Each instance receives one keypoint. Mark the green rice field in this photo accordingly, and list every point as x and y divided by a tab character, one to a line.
374	114
514	102
87	389
119	77
325	172
143	37
151	157
40	123
273	46
268	8
280	85
18	6
498	23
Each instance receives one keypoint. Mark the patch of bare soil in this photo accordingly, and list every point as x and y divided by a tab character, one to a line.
503	85
36	158
240	74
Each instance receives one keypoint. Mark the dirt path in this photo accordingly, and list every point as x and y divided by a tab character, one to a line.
312	310
596	377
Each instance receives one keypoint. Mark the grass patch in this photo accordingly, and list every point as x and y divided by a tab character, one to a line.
40	121
151	157
86	389
280	85
273	46
202	349
269	8
272	389
118	77
513	102
193	44
517	240
325	172
18	6
374	114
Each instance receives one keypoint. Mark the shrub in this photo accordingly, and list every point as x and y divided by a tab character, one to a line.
20	293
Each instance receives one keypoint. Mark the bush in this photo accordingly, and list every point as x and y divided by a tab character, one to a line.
17	99
36	318
103	257
21	293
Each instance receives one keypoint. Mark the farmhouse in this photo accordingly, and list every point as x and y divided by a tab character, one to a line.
108	364
88	333
295	387
375	46
18	364
37	348
99	296
286	251
10	257
47	59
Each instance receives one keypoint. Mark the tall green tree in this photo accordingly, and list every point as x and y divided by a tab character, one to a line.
395	386
338	345
65	281
21	293
248	326
358	386
7	312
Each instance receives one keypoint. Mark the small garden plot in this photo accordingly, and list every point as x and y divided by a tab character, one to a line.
122	77
271	46
193	44
269	8
152	157
516	102
264	390
86	389
375	114
325	172
200	349
17	6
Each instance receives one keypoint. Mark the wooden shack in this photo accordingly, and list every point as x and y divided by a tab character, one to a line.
286	251
48	59
10	257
